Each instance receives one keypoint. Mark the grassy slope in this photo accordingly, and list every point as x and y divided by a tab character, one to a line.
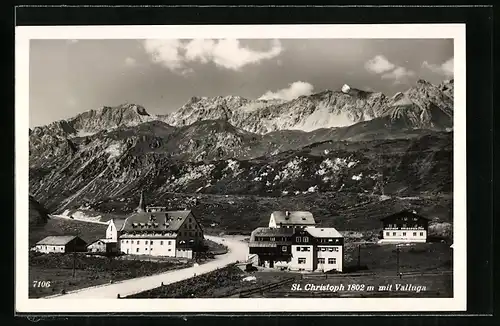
89	271
342	211
219	283
58	226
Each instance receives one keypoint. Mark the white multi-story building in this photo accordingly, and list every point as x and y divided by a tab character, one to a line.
167	233
293	242
317	249
404	226
157	232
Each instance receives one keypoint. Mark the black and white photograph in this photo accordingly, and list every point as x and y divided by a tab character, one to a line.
321	166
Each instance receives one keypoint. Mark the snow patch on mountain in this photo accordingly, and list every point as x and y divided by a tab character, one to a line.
115	150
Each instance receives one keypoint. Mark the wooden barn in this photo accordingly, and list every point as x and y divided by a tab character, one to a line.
61	244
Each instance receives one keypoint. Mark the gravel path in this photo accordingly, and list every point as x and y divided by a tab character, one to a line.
237	251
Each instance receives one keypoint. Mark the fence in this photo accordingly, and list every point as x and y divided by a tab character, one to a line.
267	287
313	276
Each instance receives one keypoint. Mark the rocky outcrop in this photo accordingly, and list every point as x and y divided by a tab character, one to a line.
423	106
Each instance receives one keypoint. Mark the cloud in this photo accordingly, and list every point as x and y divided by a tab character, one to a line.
399	74
445	68
225	53
387	70
130	61
293	91
379	64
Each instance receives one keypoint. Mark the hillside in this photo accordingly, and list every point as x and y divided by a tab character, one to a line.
58	226
404	166
348	143
38	214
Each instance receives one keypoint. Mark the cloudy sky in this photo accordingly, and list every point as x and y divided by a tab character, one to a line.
71	76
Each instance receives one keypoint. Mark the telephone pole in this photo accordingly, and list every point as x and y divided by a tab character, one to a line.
359	256
397	259
74	254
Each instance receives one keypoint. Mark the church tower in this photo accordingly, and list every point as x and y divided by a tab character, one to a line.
142	204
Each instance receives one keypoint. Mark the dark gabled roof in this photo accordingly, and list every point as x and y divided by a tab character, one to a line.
268	244
56	240
406	212
169	221
293	217
271	232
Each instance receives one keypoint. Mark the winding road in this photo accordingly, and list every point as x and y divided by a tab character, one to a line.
237	252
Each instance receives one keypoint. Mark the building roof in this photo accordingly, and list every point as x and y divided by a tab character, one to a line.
293	217
271	232
119	223
102	240
169	221
406	212
324	232
268	244
56	240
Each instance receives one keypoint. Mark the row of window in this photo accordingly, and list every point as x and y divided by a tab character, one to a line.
323	240
151	249
291	226
147	242
270	239
330	249
331	261
404	225
53	248
297	239
404	233
190	233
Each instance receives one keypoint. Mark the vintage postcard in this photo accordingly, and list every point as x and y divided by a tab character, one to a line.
283	168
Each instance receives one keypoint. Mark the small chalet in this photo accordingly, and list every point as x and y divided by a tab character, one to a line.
291	219
103	246
157	232
61	244
404	226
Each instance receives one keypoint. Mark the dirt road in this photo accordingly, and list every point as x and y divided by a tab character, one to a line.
237	251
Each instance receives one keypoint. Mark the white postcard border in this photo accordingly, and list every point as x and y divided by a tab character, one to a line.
389	31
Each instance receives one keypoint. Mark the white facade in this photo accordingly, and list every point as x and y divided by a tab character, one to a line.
302	257
111	231
50	248
329	258
404	235
148	246
184	253
272	222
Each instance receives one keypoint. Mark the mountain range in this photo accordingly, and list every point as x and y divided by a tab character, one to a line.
348	140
